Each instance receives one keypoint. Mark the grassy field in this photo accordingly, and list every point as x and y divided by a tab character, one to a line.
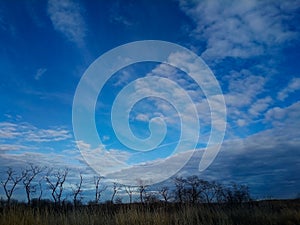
258	213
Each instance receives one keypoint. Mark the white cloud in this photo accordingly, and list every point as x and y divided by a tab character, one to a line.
288	117
266	159
243	88
103	160
142	117
26	132
241	122
156	170
260	106
123	78
294	85
66	18
12	147
175	98
106	138
8	130
241	28
46	135
39	73
242	97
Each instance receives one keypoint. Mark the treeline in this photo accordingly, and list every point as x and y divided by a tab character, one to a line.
38	182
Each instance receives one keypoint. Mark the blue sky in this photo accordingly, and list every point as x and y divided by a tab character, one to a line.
252	47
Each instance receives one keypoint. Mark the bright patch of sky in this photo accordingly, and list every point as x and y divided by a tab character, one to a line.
252	47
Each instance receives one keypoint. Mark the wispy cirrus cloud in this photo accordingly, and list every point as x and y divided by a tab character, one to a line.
66	18
39	73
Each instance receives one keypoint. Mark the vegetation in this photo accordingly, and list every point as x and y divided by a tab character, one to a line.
189	200
259	213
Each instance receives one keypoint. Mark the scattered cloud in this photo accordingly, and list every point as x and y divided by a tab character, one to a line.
12	147
8	130
260	106
26	132
245	98
47	135
102	160
142	117
241	28
264	161
245	38
288	117
66	18
294	85
123	78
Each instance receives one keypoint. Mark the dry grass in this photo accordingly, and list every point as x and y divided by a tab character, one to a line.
263	213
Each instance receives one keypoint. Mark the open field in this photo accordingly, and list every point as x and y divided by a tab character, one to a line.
259	213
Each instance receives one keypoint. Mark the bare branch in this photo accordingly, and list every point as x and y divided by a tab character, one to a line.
31	173
77	191
99	189
10	183
56	184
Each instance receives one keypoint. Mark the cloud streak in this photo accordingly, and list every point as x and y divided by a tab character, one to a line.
39	73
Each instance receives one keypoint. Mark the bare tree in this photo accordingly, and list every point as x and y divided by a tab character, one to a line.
165	193
99	189
237	193
142	190
77	191
220	193
118	200
56	183
31	173
41	190
10	183
209	190
151	197
129	191
179	189
116	188
193	192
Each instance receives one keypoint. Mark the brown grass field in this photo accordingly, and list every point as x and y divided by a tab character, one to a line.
284	212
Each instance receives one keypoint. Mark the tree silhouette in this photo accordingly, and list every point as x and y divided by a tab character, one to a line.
165	193
77	191
10	183
31	173
55	181
98	189
129	191
179	189
116	188
142	190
